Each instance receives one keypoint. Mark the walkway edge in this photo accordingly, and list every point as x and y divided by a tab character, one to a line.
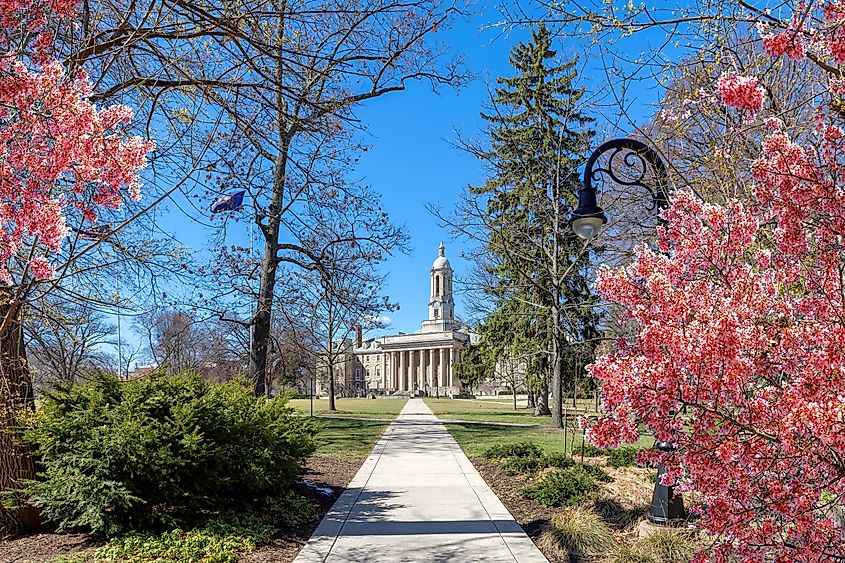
320	543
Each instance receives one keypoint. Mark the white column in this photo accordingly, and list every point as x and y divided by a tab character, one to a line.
418	381
401	364
441	370
451	362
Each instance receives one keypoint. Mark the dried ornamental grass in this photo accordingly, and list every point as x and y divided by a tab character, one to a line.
578	534
629	554
668	546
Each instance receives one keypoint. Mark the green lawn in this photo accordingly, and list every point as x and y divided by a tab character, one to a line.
496	410
475	439
349	438
373	408
483	411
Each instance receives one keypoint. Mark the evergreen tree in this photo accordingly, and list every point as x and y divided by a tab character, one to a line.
541	285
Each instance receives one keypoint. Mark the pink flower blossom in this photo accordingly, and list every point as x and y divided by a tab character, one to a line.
742	92
57	150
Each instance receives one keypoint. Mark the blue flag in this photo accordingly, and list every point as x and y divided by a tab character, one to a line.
230	202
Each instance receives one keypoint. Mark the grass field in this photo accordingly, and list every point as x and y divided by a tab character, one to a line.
475	439
483	411
494	410
349	438
374	408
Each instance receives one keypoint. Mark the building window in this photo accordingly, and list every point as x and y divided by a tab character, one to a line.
437	285
367	358
368	373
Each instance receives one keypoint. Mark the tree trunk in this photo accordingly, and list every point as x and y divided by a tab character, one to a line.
530	398
332	406
267	285
16	462
557	370
541	401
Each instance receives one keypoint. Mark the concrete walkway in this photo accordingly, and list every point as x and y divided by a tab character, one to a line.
418	498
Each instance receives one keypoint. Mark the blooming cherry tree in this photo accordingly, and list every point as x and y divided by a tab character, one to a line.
740	317
58	152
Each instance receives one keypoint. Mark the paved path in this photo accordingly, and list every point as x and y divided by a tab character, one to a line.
418	498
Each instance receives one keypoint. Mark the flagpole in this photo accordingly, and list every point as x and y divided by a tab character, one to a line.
119	346
251	298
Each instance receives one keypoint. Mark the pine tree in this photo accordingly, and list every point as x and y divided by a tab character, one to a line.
539	135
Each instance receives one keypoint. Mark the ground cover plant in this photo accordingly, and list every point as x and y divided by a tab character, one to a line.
116	456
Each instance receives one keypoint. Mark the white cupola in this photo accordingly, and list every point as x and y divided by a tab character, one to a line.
441	305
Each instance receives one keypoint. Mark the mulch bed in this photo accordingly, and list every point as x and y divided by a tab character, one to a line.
629	488
530	514
324	470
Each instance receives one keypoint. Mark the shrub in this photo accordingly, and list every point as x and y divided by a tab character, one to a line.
563	487
590	450
533	464
595	472
520	449
577	532
116	456
515	465
559	460
625	456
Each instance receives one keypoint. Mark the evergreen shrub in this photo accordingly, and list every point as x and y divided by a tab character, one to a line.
624	456
519	449
124	455
564	487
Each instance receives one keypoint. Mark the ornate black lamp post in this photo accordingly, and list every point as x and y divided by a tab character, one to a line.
587	222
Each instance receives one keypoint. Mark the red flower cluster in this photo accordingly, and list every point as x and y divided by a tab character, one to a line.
57	150
743	92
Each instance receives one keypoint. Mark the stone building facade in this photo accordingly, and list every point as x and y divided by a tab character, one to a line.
421	362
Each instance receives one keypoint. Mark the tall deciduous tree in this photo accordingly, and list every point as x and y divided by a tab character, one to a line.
60	153
538	137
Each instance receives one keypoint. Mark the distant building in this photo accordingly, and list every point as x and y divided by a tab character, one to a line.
421	362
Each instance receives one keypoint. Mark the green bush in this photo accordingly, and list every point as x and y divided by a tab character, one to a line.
117	456
590	450
625	456
515	465
564	487
520	449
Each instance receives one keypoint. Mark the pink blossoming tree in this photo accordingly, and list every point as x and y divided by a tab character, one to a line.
740	317
59	156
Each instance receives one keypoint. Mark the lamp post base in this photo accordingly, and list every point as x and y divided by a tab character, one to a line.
667	508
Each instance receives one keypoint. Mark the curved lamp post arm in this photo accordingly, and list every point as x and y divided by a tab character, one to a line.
635	156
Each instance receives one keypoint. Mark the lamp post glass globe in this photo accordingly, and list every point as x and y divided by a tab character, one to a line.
588	227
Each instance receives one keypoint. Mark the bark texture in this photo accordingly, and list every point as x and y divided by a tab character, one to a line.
16	461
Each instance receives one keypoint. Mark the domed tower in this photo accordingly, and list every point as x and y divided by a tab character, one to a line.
441	305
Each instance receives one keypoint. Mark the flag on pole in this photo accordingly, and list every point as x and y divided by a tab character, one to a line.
229	202
98	232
